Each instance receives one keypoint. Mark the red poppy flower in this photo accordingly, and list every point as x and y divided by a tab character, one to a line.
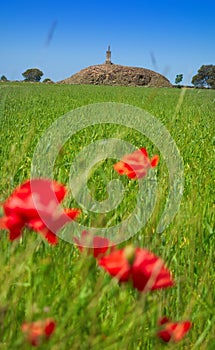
136	164
34	195
37	331
145	270
149	272
173	331
35	204
116	265
94	244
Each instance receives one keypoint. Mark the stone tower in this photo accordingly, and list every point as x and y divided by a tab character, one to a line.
108	56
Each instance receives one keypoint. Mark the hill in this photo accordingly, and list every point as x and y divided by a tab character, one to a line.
114	74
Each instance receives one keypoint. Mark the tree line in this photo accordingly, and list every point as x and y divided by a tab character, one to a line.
31	75
205	77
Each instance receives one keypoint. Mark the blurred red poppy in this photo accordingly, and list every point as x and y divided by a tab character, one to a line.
173	331
35	204
145	270
149	272
38	331
116	265
136	164
95	245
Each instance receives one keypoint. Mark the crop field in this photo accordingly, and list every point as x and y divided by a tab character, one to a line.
91	309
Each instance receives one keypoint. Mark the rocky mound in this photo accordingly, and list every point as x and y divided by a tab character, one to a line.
114	74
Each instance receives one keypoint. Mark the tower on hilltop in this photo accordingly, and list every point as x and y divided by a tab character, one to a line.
108	56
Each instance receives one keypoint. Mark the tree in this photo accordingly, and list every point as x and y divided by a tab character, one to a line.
178	78
205	77
3	78
48	81
32	74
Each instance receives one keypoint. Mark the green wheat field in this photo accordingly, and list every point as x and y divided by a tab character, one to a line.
92	310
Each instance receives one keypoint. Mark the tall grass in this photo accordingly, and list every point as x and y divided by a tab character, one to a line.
92	311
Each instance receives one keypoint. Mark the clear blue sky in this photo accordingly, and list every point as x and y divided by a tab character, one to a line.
62	37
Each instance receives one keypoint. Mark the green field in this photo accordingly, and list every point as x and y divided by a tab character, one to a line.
92	310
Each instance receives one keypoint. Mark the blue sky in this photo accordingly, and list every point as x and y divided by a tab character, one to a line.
62	37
